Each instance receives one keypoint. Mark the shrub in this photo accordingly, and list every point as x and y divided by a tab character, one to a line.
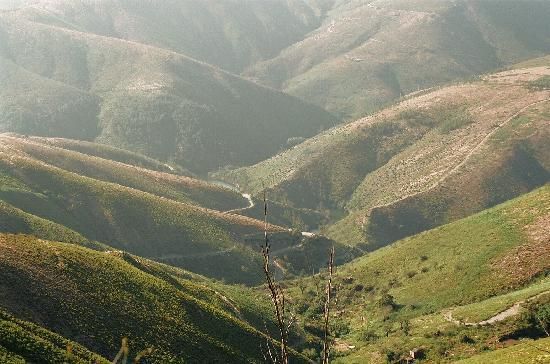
387	300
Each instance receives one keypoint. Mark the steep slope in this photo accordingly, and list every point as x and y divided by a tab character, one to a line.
368	53
96	298
64	195
403	170
399	297
139	97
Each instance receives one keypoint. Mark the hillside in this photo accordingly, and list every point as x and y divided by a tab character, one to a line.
65	195
104	296
22	342
139	97
402	170
366	54
409	294
534	352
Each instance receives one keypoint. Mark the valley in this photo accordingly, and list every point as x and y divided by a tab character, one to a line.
174	176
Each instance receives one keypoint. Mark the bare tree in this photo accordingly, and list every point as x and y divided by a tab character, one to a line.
278	299
281	312
327	339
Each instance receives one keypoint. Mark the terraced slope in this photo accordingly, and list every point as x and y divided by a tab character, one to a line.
65	195
366	54
139	97
403	170
95	298
399	297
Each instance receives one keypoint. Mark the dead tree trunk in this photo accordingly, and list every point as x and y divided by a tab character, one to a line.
327	339
278	299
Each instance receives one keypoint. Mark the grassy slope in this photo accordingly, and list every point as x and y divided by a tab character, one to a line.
466	253
148	100
104	297
418	148
366	54
477	261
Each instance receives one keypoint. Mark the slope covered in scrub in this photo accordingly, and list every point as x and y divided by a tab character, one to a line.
139	97
404	169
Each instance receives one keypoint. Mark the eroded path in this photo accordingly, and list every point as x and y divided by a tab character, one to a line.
501	316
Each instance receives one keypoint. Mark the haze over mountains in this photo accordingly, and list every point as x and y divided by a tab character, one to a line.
138	139
135	68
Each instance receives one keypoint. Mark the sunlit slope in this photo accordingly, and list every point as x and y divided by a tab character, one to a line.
419	291
105	151
430	159
140	97
489	253
368	53
95	298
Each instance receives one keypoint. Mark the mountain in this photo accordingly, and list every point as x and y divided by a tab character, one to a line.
139	97
61	194
158	77
244	32
428	291
366	54
404	170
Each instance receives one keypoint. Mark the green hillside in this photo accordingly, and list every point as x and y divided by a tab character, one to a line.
368	53
527	352
392	157
64	195
399	297
402	170
95	298
140	97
